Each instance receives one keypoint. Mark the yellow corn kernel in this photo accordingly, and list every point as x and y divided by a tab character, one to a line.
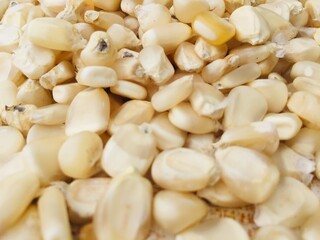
214	29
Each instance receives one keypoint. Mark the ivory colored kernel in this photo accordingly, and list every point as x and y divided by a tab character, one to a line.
175	169
62	72
268	64
132	23
186	119
128	6
3	7
201	143
243	74
209	52
53	114
111	6
65	93
207	100
251	54
123	37
213	28
217	6
82	197
287	124
160	35
130	146
12	164
186	58
166	134
152	15
193	8
97	76
306	84
27	227
306	69
250	26
302	49
309	229
276	232
260	179
129	89
220	195
33	61
124	211
291	204
172	94
38	132
133	111
176	211
53	214
261	136
11	141
8	93
8	70
85	29
313	9
51	28
31	92
156	64
41	157
244	105
17	191
79	154
305	105
292	164
10	37
89	111
102	19
215	228
99	51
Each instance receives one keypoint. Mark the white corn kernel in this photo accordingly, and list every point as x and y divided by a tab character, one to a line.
292	164
244	105
128	6
130	146
208	52
17	191
38	132
310	230
112	5
69	39
65	93
213	28
27	227
161	35
220	195
82	197
313	8
133	111
152	15
268	64
290	205
305	105
132	23
60	73
53	214
41	157
123	37
85	29
301	49
275	232
215	228
75	9
260	179
306	84
306	142
3	7
96	76
101	19
207	100
8	94
53	114
8	70
99	51
261	136
250	26
217	6
193	8
251	54
243	74
306	69
275	92
33	61
201	143
175	169
31	92
172	94
186	58
216	69
9	38
52	8
124	212
185	118
11	141
88	111
79	155
176	211
129	90
287	124
156	64
166	134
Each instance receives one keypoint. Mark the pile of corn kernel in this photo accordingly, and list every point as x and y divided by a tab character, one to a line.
160	119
